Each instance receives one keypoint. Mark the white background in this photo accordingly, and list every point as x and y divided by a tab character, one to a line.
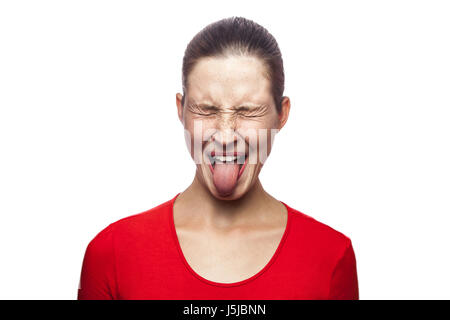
87	97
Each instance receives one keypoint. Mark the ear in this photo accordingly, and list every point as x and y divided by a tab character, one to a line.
284	112
180	108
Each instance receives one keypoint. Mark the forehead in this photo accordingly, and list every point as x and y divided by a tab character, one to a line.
229	81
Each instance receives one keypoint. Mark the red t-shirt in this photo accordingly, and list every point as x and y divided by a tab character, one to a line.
139	257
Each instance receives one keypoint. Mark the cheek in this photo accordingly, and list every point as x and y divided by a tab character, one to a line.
190	133
264	144
196	133
261	131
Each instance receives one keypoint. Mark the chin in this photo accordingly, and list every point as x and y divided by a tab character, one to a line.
236	194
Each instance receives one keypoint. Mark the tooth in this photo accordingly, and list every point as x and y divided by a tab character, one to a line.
225	158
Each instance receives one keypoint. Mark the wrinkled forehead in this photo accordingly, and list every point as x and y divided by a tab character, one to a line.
229	81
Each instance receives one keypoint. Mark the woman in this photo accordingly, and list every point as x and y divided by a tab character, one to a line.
224	237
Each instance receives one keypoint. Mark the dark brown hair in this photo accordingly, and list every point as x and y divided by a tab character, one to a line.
237	36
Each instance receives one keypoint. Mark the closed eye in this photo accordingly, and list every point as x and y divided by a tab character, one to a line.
203	110
253	112
243	111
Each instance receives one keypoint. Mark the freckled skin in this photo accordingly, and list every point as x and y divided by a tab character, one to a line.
227	83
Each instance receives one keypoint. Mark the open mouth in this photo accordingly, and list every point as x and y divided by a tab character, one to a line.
236	159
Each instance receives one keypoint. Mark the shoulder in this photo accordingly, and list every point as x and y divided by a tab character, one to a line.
318	236
133	226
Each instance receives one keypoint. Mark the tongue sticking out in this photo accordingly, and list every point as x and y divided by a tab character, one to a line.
225	177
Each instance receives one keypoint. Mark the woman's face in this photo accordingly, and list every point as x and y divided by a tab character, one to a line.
230	120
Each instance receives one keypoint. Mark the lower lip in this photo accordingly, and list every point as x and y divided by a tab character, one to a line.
240	171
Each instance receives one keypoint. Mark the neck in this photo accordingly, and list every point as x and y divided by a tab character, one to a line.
225	213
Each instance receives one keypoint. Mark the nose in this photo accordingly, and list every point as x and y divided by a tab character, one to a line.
225	137
225	140
226	121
